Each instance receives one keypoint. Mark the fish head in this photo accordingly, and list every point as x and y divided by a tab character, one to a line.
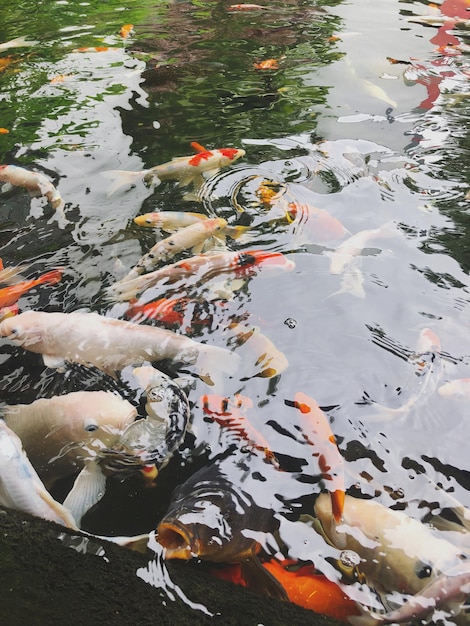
24	329
94	419
230	155
268	260
206	521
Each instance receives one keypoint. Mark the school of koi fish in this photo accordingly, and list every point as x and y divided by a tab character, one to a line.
381	567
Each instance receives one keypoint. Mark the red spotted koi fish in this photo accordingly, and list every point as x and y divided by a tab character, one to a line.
202	267
10	295
186	169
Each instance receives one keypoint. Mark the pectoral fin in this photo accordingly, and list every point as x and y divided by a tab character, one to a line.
88	489
53	361
260	580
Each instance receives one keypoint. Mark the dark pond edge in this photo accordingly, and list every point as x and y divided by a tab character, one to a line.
43	581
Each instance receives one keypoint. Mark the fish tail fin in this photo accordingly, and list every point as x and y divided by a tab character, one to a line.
60	513
337	504
120	178
52	277
58	205
214	362
88	489
235	232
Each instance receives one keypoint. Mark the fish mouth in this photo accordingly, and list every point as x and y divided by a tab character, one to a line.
178	542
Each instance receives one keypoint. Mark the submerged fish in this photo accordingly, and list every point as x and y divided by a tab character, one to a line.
316	431
457	388
60	434
190	237
396	554
257	351
209	518
203	267
36	183
196	313
317	224
10	295
20	486
303	584
19	42
186	169
153	440
169	220
111	344
231	415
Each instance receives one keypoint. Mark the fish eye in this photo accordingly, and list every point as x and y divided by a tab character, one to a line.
90	426
423	570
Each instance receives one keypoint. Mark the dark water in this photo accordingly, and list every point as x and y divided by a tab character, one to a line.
344	129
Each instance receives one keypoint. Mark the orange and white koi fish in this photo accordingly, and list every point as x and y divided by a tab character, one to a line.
254	347
396	554
111	344
203	267
20	486
190	237
169	220
126	30
185	169
36	183
457	388
231	415
19	42
96	49
10	295
317	432
174	312
267	64
344	254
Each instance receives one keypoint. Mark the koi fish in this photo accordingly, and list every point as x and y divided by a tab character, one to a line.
191	237
246	7
207	519
11	275
318	224
203	267
111	344
126	30
185	169
151	442
60	434
397	554
169	220
174	312
267	64
428	368
230	415
304	586
4	131
19	42
346	251
36	183
8	311
268	360
20	486
316	431
96	49
457	388
10	295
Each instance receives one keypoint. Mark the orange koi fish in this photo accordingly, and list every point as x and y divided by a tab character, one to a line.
304	586
173	312
96	49
317	432
267	64
318	223
4	131
126	30
203	267
10	295
230	415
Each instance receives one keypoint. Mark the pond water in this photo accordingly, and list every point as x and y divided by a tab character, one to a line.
364	116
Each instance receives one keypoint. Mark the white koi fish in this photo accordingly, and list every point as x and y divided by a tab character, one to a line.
62	433
186	169
457	388
169	220
352	247
191	237
37	184
19	42
111	344
396	553
20	486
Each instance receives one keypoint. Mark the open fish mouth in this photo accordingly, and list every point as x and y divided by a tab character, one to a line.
178	542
